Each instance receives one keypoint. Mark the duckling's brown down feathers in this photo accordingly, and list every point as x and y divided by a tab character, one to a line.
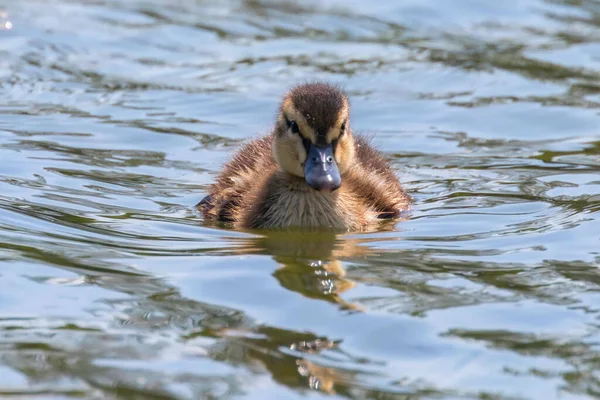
252	192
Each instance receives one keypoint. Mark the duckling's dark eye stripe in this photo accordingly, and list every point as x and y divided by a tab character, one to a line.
306	144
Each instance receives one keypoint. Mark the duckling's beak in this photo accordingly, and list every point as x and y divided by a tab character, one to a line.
320	169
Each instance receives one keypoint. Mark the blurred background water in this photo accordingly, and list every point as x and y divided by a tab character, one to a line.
116	115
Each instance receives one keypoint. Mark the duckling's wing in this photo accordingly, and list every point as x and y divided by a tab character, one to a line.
376	182
238	177
205	203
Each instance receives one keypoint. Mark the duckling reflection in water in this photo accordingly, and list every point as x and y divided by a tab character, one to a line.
310	263
312	171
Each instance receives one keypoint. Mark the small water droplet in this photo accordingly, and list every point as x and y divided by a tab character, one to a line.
8	25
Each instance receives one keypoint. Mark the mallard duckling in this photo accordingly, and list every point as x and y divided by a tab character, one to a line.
310	172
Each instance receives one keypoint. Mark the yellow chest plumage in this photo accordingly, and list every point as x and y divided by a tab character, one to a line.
293	204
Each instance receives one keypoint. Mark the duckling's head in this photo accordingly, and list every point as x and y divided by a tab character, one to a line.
312	137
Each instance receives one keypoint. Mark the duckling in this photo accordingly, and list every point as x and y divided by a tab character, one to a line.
311	171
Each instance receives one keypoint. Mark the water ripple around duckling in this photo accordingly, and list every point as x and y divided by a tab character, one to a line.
115	116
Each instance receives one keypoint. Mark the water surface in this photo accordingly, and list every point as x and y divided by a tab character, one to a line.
115	116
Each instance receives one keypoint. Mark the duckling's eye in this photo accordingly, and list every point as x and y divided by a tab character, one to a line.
343	129
294	127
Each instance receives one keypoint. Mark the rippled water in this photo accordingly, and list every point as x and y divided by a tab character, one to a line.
116	115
